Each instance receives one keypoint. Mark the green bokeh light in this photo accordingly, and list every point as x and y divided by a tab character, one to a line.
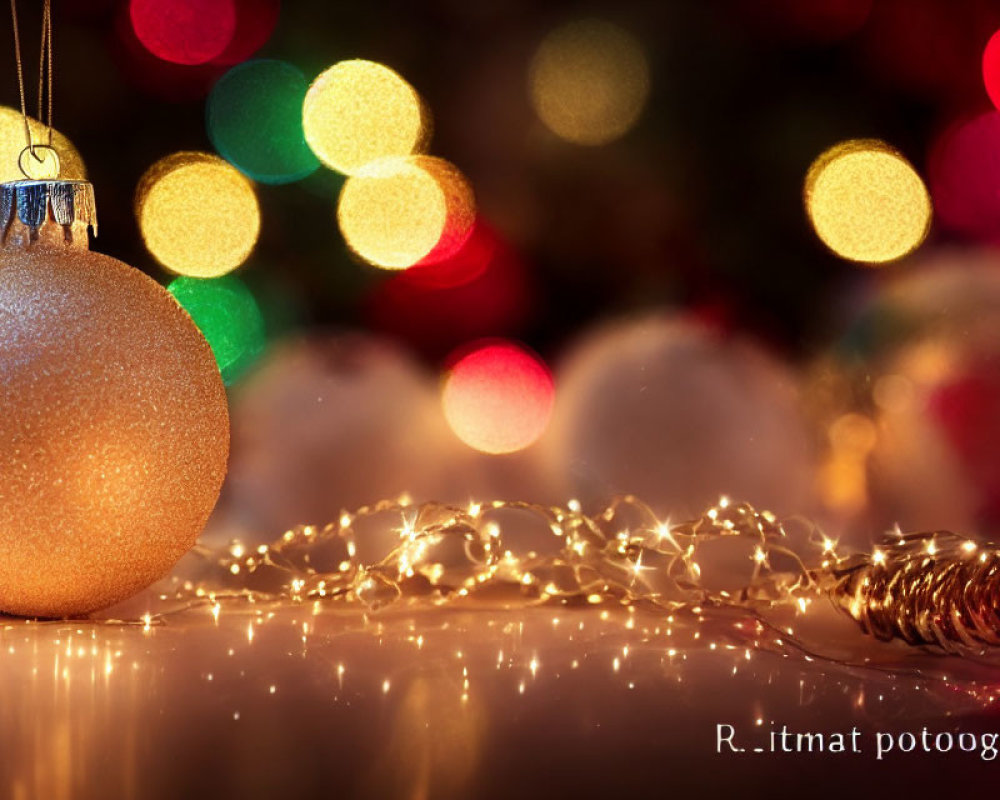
228	316
254	119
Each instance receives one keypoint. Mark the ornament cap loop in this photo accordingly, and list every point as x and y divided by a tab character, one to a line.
28	206
37	165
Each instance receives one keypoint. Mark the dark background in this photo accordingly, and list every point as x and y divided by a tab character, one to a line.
699	206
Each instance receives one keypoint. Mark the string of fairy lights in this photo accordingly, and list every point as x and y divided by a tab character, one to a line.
932	588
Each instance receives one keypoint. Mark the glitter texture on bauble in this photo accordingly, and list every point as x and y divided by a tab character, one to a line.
114	435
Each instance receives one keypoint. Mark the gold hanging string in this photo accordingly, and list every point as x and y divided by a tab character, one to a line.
45	70
45	73
20	74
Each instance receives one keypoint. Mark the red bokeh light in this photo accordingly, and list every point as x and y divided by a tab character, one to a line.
931	47
965	408
255	22
184	31
454	235
991	68
164	79
432	312
465	264
964	172
498	397
176	82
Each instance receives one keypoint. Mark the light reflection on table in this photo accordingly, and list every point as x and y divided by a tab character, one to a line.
421	703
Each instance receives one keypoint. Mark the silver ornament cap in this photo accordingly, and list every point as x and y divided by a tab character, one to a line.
33	211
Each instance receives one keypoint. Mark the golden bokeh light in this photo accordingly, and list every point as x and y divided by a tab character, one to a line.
589	82
358	111
403	211
866	202
843	478
12	142
197	214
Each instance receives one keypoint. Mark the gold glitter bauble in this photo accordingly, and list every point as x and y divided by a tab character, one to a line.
114	431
